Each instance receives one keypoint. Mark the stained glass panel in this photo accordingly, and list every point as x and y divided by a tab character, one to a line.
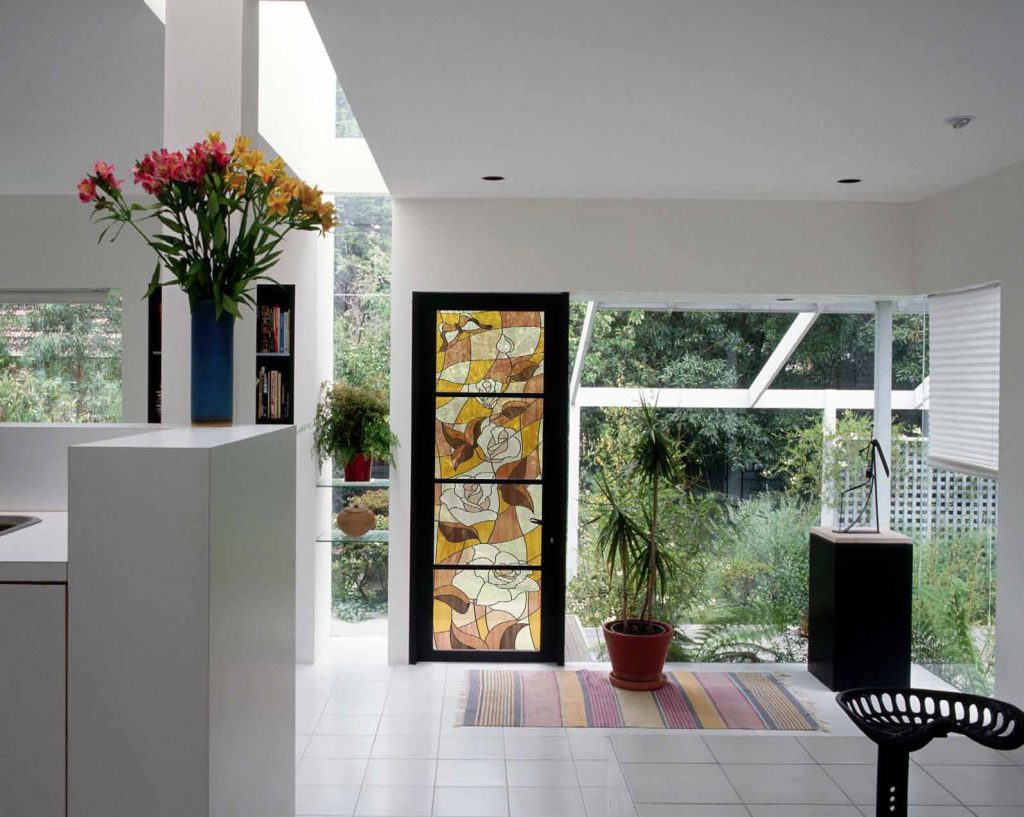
488	437
489	351
487	609
483	523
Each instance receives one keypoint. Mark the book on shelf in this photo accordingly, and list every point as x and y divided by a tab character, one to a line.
274	330
273	398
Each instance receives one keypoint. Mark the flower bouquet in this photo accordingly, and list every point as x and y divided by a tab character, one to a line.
222	217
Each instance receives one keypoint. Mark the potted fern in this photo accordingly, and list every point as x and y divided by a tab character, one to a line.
351	425
632	544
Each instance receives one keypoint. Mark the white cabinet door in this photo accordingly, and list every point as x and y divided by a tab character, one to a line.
32	700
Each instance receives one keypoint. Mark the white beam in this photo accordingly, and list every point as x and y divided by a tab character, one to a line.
572	545
863	399
581	352
781	355
922	394
883	404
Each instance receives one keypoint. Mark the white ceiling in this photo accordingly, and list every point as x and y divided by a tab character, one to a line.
681	98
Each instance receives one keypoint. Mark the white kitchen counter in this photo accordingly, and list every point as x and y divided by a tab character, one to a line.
38	553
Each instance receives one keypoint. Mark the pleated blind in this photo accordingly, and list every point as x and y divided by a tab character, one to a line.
964	381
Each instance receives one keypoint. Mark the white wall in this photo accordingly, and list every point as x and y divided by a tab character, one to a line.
590	247
47	242
974	235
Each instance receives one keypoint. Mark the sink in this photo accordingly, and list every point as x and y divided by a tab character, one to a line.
10	524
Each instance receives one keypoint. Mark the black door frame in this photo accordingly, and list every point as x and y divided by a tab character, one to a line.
554	475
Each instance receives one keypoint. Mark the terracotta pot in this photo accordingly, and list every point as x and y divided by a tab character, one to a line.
358	469
355	521
638	660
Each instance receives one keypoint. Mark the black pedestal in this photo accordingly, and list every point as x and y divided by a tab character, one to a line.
860	608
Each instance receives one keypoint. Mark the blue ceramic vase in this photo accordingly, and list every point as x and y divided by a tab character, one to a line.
212	366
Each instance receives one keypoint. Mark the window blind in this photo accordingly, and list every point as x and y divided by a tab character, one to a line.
964	381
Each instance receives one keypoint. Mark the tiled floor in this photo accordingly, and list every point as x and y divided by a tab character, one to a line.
374	740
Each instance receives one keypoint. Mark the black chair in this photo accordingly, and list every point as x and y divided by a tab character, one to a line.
901	721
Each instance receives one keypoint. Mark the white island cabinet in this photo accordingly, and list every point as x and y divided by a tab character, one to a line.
181	581
33	692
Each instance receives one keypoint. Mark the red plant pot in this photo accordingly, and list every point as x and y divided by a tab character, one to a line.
638	659
358	469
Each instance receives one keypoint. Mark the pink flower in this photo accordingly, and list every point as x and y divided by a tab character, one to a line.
86	190
103	173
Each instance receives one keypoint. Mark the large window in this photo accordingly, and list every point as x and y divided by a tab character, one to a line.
60	358
362	357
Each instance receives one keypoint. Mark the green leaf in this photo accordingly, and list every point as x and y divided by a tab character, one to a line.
219	234
214	204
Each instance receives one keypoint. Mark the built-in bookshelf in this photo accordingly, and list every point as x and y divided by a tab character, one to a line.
275	346
154	371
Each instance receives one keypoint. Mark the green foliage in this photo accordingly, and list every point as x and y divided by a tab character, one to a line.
759	570
362	283
359	581
61	362
345	125
738	643
351	420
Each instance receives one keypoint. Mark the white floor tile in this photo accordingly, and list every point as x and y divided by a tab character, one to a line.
540	802
339	746
470	772
780	784
959	751
395	801
354	705
428	724
405	746
586	746
346	725
457	746
301	741
468	801
805	811
605	802
324	771
537	748
660	748
326	801
678	783
982	785
944	811
400	772
548	773
858	783
599	773
741	749
696	810
838	749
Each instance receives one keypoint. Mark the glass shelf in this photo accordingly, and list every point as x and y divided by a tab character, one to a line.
341	483
341	538
273	354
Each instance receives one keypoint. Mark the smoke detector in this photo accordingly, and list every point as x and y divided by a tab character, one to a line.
960	121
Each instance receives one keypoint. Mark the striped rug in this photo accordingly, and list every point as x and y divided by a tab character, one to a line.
579	698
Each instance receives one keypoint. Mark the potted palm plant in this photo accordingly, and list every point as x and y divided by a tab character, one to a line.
351	425
633	546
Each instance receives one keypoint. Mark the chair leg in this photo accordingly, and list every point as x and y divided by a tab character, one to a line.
893	780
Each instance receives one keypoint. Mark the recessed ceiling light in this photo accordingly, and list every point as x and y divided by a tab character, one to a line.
960	121
848	181
493	178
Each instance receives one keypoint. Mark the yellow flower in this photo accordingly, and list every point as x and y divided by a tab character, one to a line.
242	145
265	171
250	160
234	181
277	165
213	136
327	217
310	198
278	201
290	185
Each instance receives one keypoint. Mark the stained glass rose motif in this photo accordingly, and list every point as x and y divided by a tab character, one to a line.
471	501
490	386
491	586
499	444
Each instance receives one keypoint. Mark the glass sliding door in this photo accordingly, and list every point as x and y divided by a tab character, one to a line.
490	419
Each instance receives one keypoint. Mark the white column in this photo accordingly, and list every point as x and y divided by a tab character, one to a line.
572	544
883	403
828	430
209	82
